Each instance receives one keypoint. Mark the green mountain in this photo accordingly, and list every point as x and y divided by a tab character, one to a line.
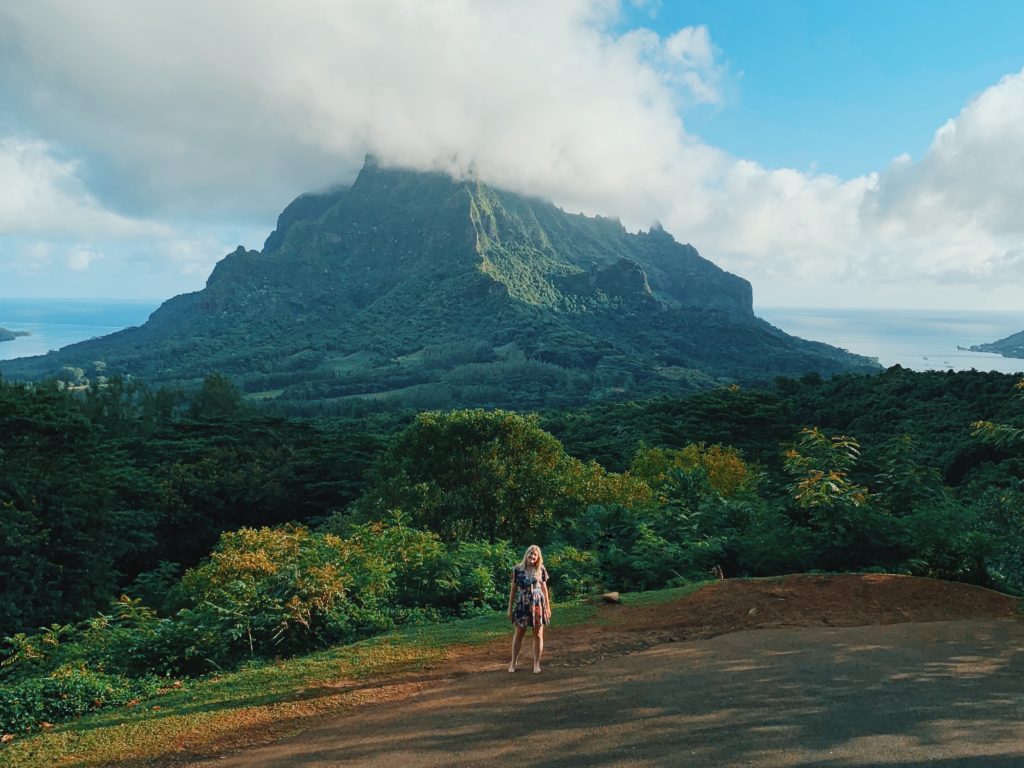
421	290
1011	346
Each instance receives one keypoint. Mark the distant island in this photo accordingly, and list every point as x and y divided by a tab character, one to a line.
6	335
1011	346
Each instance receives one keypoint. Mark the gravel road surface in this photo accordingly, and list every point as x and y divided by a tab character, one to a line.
928	694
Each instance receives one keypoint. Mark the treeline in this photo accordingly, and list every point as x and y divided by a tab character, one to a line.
235	534
531	364
936	407
102	485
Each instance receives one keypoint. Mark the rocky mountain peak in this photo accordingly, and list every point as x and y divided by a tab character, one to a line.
423	290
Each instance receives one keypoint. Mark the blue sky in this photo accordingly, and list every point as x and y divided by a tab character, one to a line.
844	87
843	154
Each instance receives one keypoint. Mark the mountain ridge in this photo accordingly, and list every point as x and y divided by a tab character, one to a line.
421	289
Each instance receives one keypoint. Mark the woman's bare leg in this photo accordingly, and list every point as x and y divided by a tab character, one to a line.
538	646
517	644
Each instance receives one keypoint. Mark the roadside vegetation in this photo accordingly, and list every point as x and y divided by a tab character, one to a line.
266	694
160	548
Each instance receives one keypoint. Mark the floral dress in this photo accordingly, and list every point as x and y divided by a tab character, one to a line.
529	597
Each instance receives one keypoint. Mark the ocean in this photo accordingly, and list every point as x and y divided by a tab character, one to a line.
918	339
55	323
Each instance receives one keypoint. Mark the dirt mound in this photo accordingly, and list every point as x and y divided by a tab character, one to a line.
842	601
845	600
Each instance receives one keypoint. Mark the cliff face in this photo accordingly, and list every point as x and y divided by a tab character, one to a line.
418	288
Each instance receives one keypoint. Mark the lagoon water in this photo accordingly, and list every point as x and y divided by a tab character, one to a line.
55	323
917	339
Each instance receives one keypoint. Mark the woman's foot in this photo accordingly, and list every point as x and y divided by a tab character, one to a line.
536	669
512	667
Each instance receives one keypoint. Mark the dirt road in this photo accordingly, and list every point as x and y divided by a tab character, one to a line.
938	693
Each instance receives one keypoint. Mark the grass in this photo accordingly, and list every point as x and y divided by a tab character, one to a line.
663	595
275	698
269	394
351	362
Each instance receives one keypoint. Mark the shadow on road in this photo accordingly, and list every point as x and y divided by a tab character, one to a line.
939	694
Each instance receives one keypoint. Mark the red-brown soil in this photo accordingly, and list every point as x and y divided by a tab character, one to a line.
846	600
721	608
738	605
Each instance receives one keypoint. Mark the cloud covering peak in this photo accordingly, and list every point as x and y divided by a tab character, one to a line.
186	112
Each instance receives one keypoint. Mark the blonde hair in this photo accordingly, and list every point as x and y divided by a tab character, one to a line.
540	558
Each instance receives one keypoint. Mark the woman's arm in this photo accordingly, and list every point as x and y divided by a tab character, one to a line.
512	594
547	600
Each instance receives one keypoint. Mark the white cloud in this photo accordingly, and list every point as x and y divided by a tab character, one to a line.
957	212
974	169
950	219
650	7
81	256
41	193
235	110
36	257
195	255
203	113
691	46
125	267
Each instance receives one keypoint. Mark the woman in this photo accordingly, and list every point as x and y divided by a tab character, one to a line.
529	604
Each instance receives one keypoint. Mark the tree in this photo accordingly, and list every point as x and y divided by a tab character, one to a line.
484	474
820	466
1000	504
904	481
68	508
218	397
850	534
723	467
283	589
1001	435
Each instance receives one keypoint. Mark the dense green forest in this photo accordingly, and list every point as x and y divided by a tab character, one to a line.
150	533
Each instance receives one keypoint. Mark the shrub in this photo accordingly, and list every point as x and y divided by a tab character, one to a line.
422	573
476	575
278	590
947	542
403	562
65	693
771	544
725	470
121	639
574	572
647	547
